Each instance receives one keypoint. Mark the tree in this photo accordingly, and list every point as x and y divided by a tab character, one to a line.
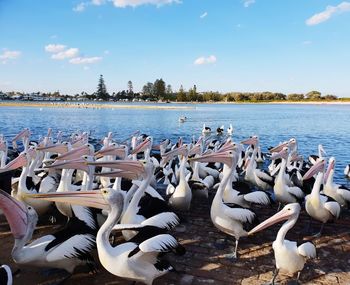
147	90
101	92
181	95
192	94
313	95
159	88
295	97
130	88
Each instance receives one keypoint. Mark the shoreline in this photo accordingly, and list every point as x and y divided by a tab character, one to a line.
146	105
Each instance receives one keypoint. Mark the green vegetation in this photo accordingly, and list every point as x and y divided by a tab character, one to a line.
160	91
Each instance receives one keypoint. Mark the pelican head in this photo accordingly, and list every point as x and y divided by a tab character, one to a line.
290	211
319	166
22	219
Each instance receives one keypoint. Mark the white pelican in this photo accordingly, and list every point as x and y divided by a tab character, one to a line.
230	130
206	130
65	249
24	135
181	195
320	207
254	175
139	259
227	219
321	153
339	193
220	130
290	257
285	194
347	171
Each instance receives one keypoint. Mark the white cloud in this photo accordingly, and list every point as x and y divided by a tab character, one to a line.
205	60
55	48
203	15
97	2
85	60
305	43
135	3
69	53
247	3
10	54
328	13
80	7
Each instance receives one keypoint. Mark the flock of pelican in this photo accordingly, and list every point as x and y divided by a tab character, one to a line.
117	188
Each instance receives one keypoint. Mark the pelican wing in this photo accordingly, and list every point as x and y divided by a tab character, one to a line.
159	243
345	193
48	184
240	214
307	249
84	214
166	220
333	208
78	246
296	191
258	197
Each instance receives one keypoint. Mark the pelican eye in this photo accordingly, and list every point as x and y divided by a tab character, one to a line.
105	191
29	208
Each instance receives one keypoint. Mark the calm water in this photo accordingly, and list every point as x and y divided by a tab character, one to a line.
309	124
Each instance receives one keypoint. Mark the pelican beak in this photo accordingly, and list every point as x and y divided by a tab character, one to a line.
75	153
94	199
125	165
228	146
279	147
282	215
223	157
118	151
252	140
78	163
118	173
22	134
56	148
283	153
182	150
18	162
196	149
316	168
142	146
330	168
15	213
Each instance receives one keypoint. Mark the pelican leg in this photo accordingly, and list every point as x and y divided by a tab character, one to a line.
298	277
275	273
320	232
233	256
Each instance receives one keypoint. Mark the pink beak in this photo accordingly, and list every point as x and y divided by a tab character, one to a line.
18	162
223	157
76	153
316	168
142	146
16	214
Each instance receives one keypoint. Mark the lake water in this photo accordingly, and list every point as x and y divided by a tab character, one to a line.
310	124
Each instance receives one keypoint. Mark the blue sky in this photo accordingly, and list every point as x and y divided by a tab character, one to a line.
224	45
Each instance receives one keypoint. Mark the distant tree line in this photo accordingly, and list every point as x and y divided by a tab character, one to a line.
159	90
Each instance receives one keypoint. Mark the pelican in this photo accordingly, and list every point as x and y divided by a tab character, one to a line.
230	130
289	256
220	130
339	193
181	195
347	171
227	219
320	207
139	259
65	249
252	174
5	275
206	130
321	153
285	194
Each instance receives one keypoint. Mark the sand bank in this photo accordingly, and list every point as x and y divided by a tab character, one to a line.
83	105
